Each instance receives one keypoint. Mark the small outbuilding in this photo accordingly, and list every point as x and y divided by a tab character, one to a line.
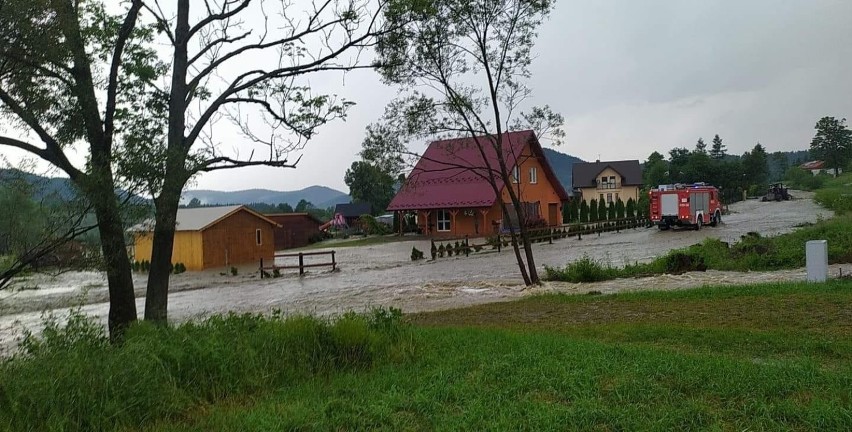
295	229
353	211
213	237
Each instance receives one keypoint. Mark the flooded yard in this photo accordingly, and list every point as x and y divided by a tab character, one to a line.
383	275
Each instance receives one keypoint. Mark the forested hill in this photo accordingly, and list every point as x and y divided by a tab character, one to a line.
562	165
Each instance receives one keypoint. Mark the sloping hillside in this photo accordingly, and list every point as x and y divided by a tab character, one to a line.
319	196
562	164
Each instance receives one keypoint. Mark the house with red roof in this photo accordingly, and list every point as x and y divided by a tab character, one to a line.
450	193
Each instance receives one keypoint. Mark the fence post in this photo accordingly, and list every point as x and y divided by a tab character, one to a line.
261	268
466	246
499	243
550	236
301	264
333	262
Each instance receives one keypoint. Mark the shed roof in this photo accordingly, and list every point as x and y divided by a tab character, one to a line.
452	173
353	209
585	173
201	218
284	217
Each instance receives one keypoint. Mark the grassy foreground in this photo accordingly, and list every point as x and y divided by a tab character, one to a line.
764	357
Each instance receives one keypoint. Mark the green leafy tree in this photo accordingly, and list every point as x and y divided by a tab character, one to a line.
303	206
754	166
832	143
678	161
72	72
602	210
717	151
284	208
368	183
655	170
193	203
571	211
461	66
585	212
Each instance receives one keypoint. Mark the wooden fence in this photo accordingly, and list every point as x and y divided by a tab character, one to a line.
465	246
301	264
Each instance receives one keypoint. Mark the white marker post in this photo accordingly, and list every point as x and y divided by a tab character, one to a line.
816	258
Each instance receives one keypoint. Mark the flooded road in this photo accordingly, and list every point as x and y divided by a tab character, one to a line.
383	275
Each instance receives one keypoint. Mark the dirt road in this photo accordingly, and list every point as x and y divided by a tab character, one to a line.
384	275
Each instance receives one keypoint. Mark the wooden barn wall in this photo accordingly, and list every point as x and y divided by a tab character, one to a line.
295	231
187	249
232	241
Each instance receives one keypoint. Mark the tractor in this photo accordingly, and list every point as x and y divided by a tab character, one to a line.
776	192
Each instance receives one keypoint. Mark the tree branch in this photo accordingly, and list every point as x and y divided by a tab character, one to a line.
112	87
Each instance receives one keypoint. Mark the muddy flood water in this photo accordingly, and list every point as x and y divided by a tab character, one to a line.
383	275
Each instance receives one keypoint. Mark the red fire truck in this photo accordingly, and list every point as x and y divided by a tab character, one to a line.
690	205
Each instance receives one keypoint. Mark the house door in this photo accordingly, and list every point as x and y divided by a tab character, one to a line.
553	214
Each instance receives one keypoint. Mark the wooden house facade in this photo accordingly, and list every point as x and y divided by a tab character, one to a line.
450	192
213	237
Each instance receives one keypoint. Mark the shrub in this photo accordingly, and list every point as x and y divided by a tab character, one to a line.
416	254
276	273
234	271
372	226
584	269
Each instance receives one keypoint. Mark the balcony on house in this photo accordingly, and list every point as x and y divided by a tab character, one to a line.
608	185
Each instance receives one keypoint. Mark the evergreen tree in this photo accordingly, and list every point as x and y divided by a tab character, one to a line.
584	211
700	146
602	212
718	149
631	208
593	211
619	209
611	211
755	169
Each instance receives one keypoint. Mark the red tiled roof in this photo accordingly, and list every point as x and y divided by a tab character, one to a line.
813	165
445	176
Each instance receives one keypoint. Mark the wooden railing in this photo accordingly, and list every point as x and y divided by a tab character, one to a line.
301	264
466	246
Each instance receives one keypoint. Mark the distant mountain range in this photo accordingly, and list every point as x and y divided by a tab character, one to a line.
563	166
320	196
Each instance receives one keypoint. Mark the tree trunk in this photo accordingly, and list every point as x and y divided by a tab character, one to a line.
122	300
522	265
157	293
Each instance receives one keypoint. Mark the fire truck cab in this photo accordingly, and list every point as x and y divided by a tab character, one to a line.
691	205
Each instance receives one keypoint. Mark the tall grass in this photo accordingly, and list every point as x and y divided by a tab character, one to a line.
71	378
836	194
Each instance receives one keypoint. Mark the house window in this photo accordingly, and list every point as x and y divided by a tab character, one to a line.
616	196
257	237
516	174
609	198
533	175
444	220
601	198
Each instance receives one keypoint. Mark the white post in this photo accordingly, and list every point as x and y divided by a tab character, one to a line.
816	258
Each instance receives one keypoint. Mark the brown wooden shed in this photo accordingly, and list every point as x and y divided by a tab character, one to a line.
212	237
295	230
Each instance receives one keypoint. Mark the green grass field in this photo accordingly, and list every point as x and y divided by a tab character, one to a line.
766	357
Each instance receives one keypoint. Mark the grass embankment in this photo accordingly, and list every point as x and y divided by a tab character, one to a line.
762	357
72	379
752	253
735	358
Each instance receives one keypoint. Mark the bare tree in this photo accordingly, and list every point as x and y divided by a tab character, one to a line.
461	66
244	62
70	74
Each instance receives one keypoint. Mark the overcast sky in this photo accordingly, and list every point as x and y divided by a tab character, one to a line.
632	77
